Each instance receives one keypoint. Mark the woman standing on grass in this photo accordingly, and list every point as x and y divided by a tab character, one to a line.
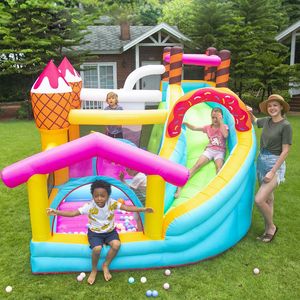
275	142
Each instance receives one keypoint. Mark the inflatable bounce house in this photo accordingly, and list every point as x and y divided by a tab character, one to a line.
213	211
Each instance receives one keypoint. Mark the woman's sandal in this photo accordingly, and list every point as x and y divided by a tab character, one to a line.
267	237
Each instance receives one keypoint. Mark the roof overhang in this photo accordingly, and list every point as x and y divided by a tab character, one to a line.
157	28
286	33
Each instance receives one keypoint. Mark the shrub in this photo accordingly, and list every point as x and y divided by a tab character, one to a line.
252	99
25	111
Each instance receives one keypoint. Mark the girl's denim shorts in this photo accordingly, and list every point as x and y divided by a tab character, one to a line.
265	162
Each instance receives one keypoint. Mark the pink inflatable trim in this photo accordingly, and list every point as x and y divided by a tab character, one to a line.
198	59
92	145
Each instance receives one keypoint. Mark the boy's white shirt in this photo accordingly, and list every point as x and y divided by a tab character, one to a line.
139	181
101	219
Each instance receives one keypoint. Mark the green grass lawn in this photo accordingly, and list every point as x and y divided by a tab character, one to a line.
228	276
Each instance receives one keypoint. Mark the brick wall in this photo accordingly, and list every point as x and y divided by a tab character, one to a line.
126	61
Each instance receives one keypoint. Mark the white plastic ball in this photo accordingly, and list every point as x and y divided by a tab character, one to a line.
82	274
8	289
166	286
143	279
256	271
154	293
131	280
149	293
167	272
79	278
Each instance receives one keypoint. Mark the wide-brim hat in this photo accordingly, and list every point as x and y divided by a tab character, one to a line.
263	105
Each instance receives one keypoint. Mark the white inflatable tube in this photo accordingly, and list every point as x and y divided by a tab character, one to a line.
123	95
141	72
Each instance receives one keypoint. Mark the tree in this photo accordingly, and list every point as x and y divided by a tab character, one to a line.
208	19
292	7
176	14
256	55
149	12
33	32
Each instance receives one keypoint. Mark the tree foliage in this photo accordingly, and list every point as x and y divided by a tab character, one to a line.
176	14
247	28
292	7
33	32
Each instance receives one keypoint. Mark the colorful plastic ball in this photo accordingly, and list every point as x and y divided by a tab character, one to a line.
131	280
8	289
166	286
167	272
79	278
154	293
143	279
149	293
256	271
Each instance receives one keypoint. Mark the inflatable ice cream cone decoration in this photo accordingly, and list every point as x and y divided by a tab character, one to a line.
74	80
51	97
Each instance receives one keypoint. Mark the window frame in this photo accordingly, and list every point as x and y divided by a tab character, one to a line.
98	65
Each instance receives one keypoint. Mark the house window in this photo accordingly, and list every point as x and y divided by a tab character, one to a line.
98	76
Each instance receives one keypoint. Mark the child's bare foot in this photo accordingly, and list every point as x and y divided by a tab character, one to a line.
106	273
92	277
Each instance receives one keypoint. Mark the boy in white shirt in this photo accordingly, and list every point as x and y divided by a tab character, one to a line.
101	225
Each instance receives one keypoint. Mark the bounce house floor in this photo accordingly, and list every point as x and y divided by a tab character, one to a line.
124	221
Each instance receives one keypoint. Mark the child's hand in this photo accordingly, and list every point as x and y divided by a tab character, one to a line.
149	210
249	108
51	212
219	117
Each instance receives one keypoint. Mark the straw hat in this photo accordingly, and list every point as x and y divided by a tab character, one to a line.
274	97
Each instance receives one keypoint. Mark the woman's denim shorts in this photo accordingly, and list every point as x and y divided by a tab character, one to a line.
265	162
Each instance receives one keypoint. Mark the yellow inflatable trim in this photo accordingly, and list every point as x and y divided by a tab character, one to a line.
118	117
82	238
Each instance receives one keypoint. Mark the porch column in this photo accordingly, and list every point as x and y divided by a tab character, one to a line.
137	63
293	48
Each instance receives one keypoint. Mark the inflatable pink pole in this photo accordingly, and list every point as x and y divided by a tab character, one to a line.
198	59
95	144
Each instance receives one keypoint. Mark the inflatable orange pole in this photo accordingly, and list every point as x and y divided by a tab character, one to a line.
210	72
165	76
175	65
223	69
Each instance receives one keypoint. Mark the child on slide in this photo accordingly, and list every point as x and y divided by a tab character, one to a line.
217	133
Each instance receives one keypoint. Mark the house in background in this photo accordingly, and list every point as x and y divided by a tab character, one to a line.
116	51
291	37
